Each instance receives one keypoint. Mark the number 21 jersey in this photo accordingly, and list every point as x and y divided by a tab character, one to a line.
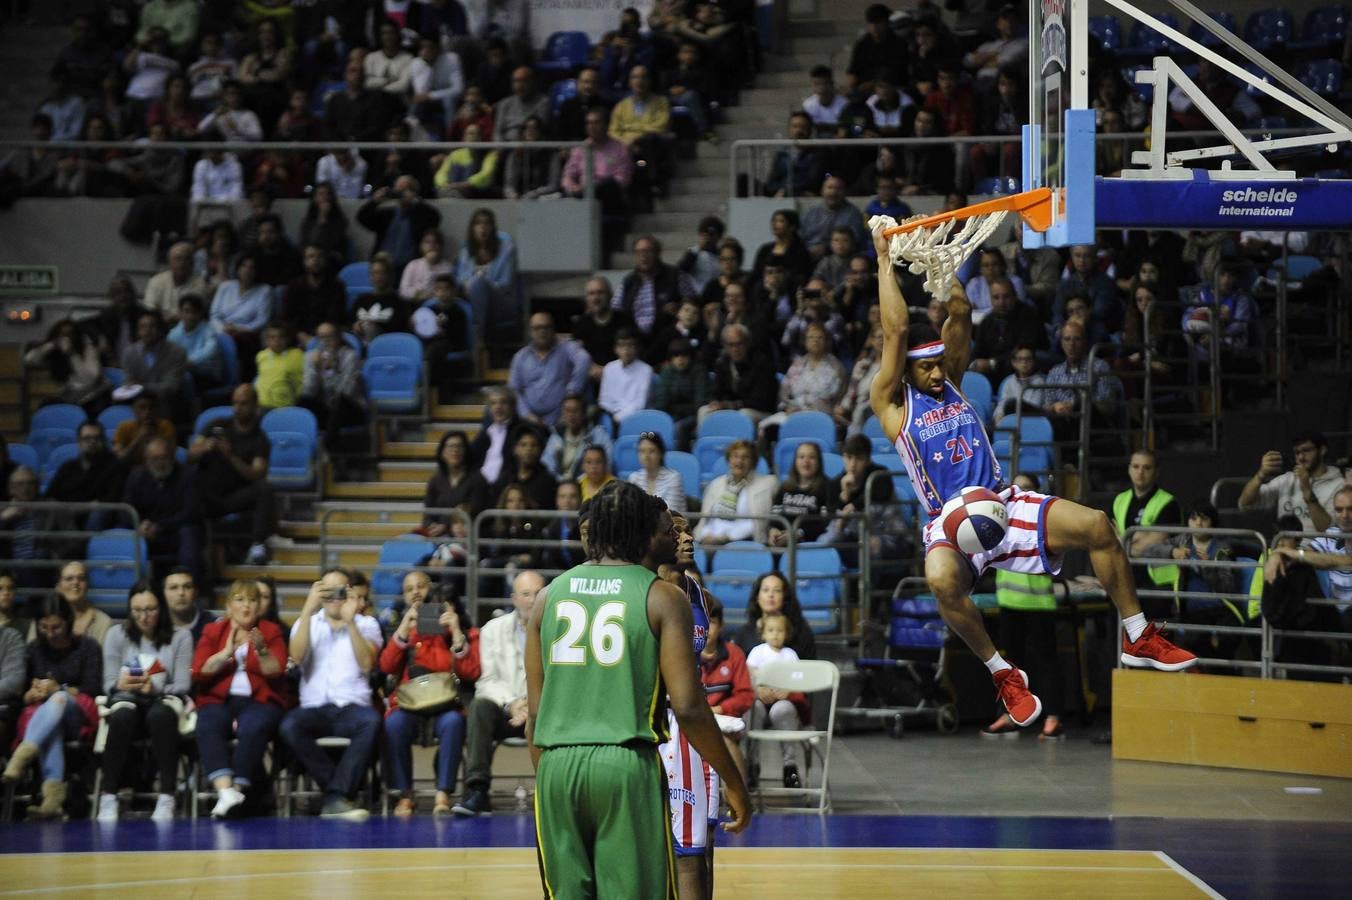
944	446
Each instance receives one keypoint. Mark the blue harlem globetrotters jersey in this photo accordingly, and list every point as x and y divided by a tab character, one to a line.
945	447
700	611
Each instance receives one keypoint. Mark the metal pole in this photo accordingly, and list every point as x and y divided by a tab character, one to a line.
1282	361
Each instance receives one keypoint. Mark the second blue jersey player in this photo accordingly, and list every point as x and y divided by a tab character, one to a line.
944	445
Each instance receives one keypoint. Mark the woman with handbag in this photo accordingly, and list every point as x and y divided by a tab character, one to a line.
145	659
239	670
64	672
429	659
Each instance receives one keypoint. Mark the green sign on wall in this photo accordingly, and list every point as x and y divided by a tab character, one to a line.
25	280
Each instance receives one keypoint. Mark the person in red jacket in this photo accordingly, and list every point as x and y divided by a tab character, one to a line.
239	673
727	682
454	649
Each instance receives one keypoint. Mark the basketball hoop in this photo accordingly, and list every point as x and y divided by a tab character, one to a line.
928	246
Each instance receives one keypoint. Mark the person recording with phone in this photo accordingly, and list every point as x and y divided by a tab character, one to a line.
335	647
1306	491
816	304
434	636
239	671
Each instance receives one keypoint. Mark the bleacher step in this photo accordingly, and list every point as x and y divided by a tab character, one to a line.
457	412
362	558
377	490
293	574
408	449
348	532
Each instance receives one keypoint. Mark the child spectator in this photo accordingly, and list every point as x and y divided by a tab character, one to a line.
281	368
625	380
198	341
785	711
381	310
681	388
419	277
833	267
700	261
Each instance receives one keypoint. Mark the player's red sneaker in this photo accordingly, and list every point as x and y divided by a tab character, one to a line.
1152	651
1021	704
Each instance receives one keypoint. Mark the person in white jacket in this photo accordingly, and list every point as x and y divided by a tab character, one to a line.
499	707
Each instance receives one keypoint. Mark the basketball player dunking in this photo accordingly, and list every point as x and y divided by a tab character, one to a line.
945	448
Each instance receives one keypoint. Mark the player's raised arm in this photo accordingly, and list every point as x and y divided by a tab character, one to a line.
535	672
669	615
957	334
895	320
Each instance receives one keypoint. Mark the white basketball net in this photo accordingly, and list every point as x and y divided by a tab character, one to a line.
930	251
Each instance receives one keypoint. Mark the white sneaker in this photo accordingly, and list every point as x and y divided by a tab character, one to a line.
107	808
164	809
227	799
258	555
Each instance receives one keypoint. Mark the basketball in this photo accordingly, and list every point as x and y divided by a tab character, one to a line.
1198	321
974	520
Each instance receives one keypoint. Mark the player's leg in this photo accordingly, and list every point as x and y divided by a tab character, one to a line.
690	877
1070	526
688	799
950	580
561	824
627	795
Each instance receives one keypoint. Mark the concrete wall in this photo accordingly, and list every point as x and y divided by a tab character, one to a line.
81	238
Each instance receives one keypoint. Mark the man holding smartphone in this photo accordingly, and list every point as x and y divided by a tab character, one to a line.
1306	491
335	647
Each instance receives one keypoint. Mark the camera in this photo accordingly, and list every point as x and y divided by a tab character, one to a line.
339	593
812	293
217	433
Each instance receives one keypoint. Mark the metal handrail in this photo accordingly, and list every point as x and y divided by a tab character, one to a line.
126	512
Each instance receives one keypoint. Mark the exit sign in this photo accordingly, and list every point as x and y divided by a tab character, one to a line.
24	280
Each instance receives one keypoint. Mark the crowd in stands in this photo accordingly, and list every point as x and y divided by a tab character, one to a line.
260	318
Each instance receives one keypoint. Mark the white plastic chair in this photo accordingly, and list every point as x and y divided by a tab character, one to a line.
807	676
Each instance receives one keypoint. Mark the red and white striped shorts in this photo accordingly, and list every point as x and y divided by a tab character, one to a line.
1024	548
693	786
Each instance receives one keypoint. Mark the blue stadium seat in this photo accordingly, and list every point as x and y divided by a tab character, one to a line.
833	464
56	459
207	415
732	586
1323	76
1036	453
559	93
393	384
916	624
1106	32
901	484
977	388
26	456
1325	29
114	375
1265	29
819	570
396	558
624	455
293	433
750	556
1145	91
111	557
45	440
821	621
564	53
59	415
810	424
1206	38
114	416
688	467
356	277
650	420
1146	40
873	430
396	343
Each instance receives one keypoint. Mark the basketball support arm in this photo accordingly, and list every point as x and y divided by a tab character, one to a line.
1162	164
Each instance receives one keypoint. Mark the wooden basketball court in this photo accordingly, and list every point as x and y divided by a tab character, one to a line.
485	872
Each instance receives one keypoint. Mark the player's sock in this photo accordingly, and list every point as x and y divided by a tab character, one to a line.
1135	626
997	662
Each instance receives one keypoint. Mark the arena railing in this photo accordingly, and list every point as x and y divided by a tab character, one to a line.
1333	637
1266	665
882	519
121	515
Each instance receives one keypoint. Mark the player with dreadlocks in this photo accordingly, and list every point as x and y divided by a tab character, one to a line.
607	640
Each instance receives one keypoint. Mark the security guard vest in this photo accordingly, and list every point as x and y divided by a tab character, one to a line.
1167	575
1029	593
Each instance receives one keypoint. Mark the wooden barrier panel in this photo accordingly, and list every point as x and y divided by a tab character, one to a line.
1240	723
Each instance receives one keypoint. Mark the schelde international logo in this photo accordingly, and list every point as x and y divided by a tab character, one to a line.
1259	202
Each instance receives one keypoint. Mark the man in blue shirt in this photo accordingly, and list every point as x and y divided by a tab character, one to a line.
546	371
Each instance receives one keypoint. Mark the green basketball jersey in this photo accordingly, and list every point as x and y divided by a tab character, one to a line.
602	683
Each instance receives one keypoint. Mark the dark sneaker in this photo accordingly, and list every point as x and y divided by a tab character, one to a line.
474	803
1152	651
791	779
1021	704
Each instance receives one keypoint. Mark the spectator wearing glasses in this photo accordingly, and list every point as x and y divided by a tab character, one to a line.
96	475
145	661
